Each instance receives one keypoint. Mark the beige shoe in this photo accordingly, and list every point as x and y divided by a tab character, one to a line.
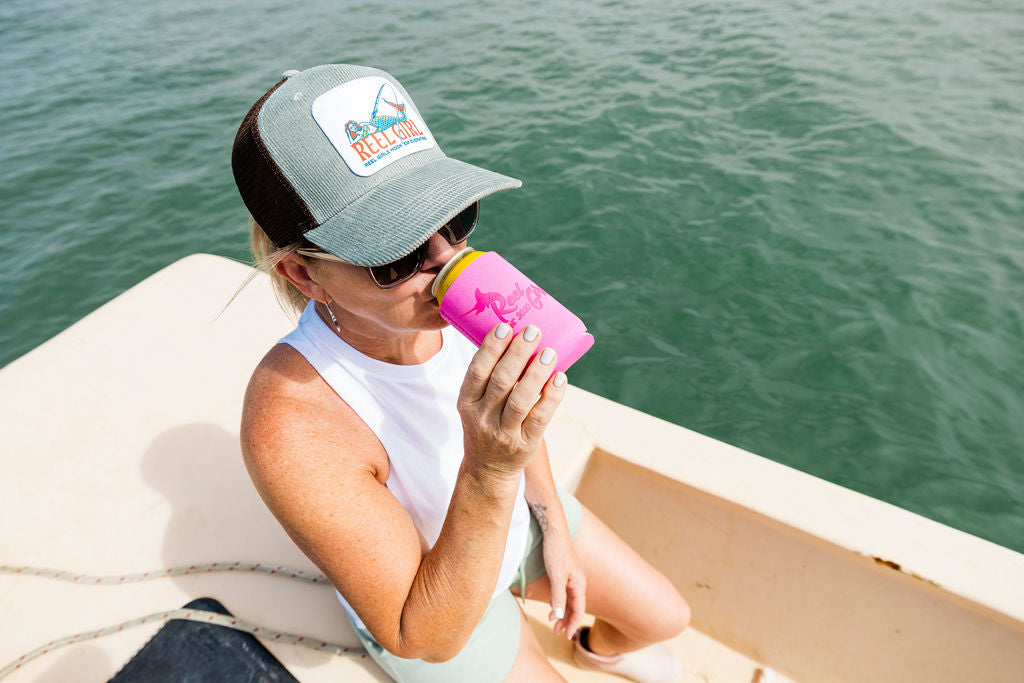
652	664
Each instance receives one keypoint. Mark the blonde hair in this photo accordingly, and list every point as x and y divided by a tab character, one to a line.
266	255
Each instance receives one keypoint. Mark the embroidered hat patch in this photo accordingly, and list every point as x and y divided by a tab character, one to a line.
370	124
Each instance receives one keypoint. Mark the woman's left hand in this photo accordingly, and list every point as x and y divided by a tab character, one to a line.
568	583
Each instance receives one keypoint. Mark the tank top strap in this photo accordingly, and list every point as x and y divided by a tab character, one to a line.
306	339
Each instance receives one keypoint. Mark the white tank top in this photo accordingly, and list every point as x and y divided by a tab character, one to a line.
412	410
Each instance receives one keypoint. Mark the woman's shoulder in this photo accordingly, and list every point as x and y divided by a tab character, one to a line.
288	407
282	377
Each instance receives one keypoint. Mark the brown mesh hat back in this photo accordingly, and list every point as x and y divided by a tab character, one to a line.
269	196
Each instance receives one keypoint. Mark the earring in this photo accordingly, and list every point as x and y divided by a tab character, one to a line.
327	305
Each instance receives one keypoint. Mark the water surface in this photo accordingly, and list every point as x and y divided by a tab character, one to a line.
793	227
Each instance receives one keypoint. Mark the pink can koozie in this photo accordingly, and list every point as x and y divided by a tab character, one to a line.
477	290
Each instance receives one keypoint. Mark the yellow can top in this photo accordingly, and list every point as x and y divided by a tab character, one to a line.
451	270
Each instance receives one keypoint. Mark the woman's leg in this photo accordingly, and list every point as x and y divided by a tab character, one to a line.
531	663
635	605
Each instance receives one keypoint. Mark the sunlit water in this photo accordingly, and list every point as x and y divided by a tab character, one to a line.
793	227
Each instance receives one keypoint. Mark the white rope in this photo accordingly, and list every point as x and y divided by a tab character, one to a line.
75	577
186	614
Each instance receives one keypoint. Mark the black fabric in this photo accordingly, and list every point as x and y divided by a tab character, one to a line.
195	652
585	638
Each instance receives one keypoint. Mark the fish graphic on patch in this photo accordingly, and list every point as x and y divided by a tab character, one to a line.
387	111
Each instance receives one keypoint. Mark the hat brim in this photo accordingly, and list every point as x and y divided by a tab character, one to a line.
391	220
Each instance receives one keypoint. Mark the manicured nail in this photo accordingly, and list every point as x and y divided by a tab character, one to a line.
546	356
531	333
559	379
559	612
502	331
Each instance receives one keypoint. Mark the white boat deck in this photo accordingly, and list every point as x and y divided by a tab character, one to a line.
120	455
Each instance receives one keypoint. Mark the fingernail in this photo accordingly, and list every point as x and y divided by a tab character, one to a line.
531	333
502	331
546	356
559	378
559	612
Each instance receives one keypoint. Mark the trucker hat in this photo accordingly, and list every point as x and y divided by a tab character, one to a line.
340	155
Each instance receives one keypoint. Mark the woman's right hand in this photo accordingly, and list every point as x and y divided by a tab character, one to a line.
507	401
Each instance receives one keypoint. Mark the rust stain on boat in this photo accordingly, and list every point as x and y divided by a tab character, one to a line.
895	565
887	563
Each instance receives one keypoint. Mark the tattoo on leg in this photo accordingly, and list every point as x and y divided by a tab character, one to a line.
540	513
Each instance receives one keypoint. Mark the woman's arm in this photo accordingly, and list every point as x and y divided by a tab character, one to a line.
542	495
322	471
568	583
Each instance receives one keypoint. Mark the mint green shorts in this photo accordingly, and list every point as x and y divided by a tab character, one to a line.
491	650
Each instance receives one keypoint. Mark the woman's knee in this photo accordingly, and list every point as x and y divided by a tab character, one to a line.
671	616
679	615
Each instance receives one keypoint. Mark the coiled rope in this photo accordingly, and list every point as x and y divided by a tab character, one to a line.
186	614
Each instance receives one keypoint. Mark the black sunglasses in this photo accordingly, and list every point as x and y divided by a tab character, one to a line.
454	231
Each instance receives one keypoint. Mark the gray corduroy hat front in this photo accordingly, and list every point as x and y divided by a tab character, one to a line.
339	154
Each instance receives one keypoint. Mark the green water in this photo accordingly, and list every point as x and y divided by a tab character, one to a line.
797	227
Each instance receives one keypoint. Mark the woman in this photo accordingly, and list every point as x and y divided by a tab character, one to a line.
403	461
